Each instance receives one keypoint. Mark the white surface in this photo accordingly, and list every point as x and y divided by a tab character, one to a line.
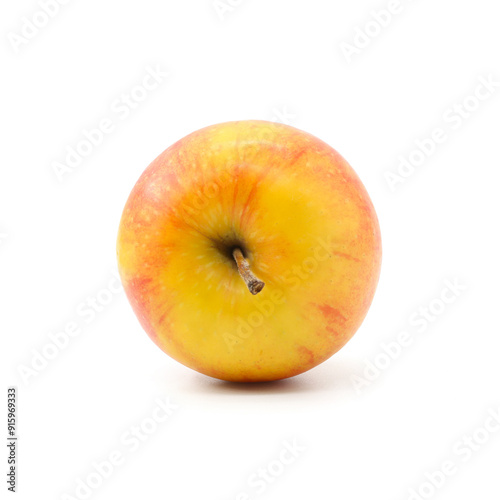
263	60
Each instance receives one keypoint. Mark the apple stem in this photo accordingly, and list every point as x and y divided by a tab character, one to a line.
254	284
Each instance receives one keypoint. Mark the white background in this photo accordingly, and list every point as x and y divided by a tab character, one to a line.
277	60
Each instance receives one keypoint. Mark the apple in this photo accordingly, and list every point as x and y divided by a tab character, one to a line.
249	251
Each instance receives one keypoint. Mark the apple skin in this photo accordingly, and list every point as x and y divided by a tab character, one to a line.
303	220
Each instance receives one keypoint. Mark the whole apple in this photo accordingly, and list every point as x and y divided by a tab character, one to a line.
249	251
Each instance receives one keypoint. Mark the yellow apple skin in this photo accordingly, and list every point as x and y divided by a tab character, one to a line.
303	220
